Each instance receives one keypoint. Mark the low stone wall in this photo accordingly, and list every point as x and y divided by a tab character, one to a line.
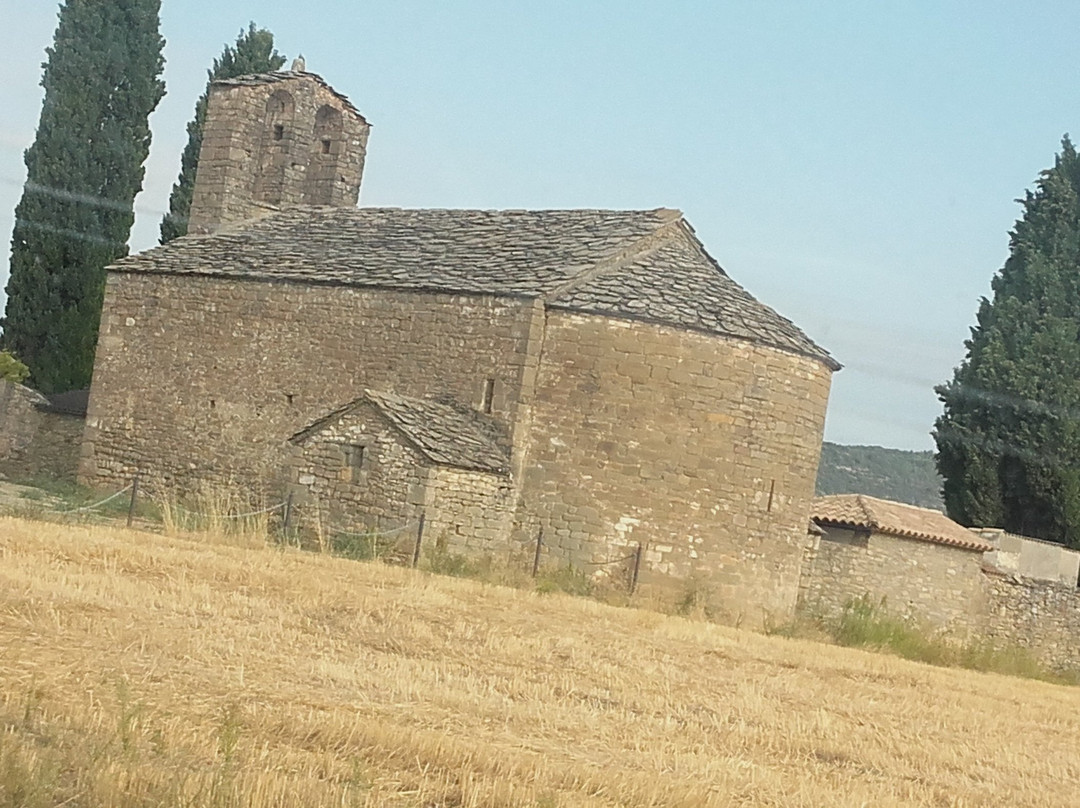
35	443
19	418
946	586
1038	615
1031	558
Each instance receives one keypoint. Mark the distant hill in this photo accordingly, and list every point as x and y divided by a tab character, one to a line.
887	473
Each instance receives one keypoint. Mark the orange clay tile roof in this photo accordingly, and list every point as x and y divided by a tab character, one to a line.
894	518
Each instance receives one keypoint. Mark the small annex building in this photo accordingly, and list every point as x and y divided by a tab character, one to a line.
917	559
591	374
374	462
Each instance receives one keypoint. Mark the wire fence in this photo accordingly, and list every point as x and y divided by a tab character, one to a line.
374	534
289	523
99	503
246	515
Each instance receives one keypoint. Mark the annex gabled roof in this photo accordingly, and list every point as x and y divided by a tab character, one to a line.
639	264
277	76
446	434
894	518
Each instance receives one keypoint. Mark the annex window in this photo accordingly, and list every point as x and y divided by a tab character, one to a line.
279	131
487	399
354	461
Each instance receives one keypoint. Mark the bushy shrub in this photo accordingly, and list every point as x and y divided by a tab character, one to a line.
11	369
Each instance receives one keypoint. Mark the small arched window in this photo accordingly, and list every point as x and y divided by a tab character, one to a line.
279	112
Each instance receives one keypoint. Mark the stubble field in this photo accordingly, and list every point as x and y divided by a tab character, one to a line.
138	670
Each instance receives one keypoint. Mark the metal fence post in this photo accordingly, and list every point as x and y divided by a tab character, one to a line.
637	569
419	539
286	517
536	556
134	497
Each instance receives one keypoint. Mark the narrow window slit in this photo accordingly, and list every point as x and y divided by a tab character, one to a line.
354	461
488	399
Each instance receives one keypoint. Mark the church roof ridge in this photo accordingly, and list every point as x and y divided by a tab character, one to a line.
659	271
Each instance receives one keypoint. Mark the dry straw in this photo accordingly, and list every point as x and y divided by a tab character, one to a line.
140	670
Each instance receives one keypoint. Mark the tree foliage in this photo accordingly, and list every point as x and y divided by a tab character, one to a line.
1009	438
102	81
11	369
253	53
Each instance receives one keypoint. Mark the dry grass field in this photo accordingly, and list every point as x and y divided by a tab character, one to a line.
142	670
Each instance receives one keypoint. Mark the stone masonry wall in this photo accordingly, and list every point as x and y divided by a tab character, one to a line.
469	512
705	449
278	143
1039	615
935	582
204	379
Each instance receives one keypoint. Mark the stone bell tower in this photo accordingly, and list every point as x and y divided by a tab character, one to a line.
275	140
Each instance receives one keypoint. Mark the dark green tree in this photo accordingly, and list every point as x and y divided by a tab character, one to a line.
102	81
253	53
1009	437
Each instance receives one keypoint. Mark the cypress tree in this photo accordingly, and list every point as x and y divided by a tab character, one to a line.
1009	437
253	53
102	81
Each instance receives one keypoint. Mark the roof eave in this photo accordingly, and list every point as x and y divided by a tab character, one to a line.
974	546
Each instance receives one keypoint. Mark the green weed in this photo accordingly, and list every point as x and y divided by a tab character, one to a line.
866	623
566	579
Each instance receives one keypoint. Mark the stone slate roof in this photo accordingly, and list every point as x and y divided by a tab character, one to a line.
641	264
73	402
274	77
446	434
894	518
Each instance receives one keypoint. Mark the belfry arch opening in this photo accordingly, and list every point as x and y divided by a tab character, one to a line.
277	140
327	151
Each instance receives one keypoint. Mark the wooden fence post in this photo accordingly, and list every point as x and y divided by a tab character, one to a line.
134	497
536	556
419	539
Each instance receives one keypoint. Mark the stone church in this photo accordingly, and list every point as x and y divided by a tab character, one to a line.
591	374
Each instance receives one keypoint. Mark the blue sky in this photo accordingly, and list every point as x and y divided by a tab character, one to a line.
854	165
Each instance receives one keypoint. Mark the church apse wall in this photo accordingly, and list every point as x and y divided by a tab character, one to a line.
703	449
